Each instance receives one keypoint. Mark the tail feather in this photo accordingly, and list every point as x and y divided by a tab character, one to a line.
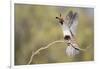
72	51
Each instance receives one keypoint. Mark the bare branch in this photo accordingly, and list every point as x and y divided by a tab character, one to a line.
42	48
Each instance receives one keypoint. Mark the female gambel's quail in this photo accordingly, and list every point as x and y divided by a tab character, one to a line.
69	26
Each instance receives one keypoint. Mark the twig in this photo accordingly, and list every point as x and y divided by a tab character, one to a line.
42	48
74	38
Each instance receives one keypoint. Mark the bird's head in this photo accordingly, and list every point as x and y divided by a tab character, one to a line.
61	20
69	19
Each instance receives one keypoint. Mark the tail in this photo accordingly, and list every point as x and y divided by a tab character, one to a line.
72	50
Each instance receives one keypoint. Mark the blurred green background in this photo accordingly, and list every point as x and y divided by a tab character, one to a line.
36	27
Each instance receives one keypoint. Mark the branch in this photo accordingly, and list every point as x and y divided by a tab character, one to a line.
81	49
42	48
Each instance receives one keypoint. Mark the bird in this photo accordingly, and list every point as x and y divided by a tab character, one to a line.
68	25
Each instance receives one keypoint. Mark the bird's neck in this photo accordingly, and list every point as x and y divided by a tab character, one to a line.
66	30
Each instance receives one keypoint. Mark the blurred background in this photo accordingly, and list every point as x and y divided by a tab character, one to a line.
36	26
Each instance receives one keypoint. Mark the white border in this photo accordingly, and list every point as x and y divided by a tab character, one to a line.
58	2
38	2
12	34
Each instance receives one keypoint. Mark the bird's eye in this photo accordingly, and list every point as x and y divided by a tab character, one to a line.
56	17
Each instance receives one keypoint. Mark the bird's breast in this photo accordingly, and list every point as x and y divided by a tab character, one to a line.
66	30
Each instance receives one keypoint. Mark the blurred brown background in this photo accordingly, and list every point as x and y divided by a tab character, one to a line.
36	27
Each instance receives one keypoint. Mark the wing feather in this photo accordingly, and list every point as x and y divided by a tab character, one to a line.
73	23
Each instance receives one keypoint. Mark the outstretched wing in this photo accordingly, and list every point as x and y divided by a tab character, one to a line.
73	23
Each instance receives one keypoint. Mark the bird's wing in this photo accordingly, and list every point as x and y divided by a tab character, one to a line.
73	23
